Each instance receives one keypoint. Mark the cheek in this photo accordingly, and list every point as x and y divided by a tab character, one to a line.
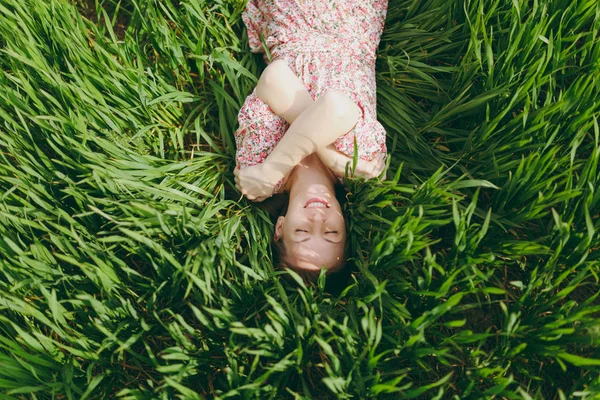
295	218
340	224
290	225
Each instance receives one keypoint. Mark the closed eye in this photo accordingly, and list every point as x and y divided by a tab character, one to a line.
331	232
300	230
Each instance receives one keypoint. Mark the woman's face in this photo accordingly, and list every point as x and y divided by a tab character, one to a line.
313	232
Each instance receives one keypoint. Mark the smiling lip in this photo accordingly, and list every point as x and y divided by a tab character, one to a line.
317	200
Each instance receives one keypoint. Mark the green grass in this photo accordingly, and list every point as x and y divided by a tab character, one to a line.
131	269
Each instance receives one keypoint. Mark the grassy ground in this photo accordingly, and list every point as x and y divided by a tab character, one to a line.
130	269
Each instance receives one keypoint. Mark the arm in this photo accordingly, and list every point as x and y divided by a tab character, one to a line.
282	90
334	114
330	117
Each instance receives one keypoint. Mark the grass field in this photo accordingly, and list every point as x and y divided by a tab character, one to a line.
130	268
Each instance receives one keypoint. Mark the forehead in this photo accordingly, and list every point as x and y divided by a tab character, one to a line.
315	254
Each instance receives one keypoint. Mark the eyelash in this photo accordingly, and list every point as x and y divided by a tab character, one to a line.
302	230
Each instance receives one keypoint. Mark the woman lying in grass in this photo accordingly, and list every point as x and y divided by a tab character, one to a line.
312	106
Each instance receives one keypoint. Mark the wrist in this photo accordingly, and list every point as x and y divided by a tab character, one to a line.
277	167
334	160
270	172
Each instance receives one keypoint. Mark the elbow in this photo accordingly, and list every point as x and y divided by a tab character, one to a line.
272	78
341	108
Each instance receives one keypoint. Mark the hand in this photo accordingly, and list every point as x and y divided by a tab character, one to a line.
336	161
370	169
254	182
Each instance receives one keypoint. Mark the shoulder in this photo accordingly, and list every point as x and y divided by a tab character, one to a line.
380	5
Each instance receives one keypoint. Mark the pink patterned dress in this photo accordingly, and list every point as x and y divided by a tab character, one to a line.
330	45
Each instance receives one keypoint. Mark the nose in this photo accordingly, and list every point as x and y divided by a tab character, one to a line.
317	216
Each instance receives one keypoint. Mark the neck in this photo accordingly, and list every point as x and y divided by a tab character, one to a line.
310	175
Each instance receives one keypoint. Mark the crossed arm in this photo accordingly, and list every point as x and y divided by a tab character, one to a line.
315	125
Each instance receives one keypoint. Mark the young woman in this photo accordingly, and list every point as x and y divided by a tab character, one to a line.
313	106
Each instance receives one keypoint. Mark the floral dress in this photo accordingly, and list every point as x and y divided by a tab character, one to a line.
330	45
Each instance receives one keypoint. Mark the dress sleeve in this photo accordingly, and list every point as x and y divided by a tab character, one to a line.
380	7
255	23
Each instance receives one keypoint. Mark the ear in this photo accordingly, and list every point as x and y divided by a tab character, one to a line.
279	228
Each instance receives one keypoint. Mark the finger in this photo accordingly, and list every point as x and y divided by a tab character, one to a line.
384	160
236	171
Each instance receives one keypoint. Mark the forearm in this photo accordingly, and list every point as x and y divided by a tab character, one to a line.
333	159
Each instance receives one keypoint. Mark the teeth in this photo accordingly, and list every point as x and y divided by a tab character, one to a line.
316	204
